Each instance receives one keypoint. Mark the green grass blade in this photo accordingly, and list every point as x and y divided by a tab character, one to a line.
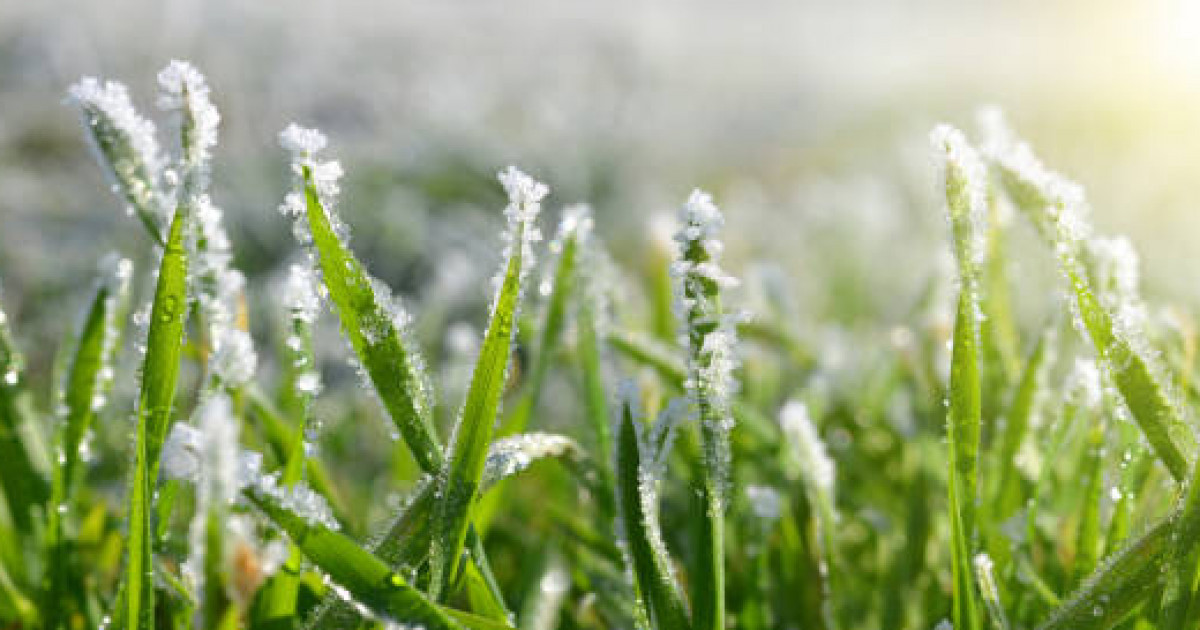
390	360
85	395
1118	586
473	433
710	343
25	488
636	504
1057	208
1180	607
1088	544
364	577
160	371
965	188
1016	426
596	398
575	224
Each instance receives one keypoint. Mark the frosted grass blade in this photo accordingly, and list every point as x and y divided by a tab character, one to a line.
364	577
395	369
965	188
468	451
1119	585
654	580
85	395
160	371
1058	209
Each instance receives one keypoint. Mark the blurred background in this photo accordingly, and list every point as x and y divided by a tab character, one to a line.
808	121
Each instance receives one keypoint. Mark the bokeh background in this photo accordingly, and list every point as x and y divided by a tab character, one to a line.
807	119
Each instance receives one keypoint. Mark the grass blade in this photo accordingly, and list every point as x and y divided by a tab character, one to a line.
86	392
637	507
1058	209
25	487
1120	584
468	451
160	371
710	337
369	320
966	202
365	578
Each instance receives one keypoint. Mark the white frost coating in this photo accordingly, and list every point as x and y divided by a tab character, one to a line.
304	144
708	333
215	444
125	143
815	463
218	288
116	273
985	577
962	166
511	455
1065	208
298	499
1084	384
302	141
182	88
525	196
301	294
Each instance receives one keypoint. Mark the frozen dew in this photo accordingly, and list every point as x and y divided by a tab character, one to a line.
815	464
511	455
302	294
126	145
525	196
183	89
965	180
708	332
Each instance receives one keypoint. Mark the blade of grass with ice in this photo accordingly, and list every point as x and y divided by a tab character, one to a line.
391	362
85	394
1119	585
365	578
654	580
468	451
710	338
1057	208
160	371
966	201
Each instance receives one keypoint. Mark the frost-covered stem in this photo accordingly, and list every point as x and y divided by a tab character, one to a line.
709	337
965	184
125	145
217	287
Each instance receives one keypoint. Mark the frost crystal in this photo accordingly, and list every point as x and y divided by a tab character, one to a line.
125	144
218	288
525	196
301	294
511	455
965	180
709	333
815	465
183	89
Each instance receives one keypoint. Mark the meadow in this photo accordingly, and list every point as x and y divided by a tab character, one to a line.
629	434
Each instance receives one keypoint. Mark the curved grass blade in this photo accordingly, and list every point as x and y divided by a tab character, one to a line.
1180	607
650	563
1057	208
468	451
365	578
85	394
406	544
1088	544
160	371
1118	586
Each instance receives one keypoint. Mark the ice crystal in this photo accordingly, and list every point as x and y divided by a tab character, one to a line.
815	463
126	145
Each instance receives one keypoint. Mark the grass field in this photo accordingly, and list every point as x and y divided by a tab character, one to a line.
622	425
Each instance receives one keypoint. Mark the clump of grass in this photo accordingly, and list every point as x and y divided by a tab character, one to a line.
598	472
